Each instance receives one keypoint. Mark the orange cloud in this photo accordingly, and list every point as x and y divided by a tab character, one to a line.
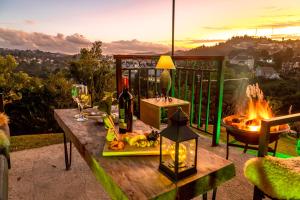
72	44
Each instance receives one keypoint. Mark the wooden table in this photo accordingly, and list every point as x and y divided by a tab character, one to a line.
150	109
137	177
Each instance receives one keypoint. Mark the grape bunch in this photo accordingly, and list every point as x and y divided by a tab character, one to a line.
153	136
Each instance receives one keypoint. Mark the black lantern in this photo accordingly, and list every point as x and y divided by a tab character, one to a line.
178	148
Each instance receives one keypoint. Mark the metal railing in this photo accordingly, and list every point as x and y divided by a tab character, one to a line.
197	79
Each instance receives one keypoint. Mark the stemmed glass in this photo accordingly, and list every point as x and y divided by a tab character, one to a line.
75	93
84	100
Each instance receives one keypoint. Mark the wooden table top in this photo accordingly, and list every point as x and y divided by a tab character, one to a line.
162	103
137	177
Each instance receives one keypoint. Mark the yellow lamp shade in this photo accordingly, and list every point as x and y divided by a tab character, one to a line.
165	62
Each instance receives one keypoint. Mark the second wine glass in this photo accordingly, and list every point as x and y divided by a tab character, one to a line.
84	100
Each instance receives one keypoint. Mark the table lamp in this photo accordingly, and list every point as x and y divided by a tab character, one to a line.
165	62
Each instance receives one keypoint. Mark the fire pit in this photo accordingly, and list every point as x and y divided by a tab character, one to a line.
245	127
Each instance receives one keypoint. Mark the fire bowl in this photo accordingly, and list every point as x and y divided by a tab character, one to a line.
252	137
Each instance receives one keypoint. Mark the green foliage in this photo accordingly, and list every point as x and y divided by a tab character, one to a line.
275	104
22	142
8	84
282	56
33	113
282	94
94	70
30	100
107	101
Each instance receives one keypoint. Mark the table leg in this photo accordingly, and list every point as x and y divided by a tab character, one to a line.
68	155
204	196
214	194
275	148
246	147
257	194
227	145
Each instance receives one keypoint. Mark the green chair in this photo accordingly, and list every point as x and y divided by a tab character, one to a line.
276	178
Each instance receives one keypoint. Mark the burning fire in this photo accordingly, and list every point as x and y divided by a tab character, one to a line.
257	109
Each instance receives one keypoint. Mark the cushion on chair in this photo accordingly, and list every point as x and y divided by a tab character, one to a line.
276	177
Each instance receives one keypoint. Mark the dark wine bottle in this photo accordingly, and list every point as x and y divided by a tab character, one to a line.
125	109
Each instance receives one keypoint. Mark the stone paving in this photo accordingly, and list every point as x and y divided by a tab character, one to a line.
38	174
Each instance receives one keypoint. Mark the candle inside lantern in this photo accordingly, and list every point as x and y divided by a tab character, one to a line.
182	154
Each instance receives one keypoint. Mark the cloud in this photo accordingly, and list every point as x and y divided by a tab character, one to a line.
272	8
54	43
29	22
219	28
283	24
280	24
71	44
133	47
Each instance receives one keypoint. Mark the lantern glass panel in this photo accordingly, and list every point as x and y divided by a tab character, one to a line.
167	159
186	155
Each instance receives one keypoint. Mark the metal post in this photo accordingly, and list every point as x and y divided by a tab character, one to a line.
172	53
119	76
219	102
173	26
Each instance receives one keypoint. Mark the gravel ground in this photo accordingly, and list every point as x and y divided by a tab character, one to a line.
38	174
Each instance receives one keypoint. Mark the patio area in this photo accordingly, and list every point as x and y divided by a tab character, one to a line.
197	87
40	174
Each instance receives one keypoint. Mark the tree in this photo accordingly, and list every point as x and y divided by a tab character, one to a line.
288	54
94	70
278	60
264	54
11	82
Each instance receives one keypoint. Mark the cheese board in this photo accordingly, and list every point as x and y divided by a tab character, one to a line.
142	141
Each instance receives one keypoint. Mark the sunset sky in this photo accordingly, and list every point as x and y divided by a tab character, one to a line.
133	25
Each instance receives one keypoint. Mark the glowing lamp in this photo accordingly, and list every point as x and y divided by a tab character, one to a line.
165	62
178	148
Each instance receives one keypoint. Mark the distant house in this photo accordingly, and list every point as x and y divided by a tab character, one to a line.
291	66
243	60
266	60
267	72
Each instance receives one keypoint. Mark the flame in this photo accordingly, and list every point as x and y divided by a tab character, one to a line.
257	109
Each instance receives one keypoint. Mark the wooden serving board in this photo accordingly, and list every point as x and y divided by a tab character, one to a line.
133	150
130	151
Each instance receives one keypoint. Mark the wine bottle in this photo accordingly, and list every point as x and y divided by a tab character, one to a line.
125	109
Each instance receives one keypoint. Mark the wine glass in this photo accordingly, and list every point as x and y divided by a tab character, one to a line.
84	100
74	93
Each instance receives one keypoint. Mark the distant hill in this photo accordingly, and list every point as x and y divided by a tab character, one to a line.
245	44
36	62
